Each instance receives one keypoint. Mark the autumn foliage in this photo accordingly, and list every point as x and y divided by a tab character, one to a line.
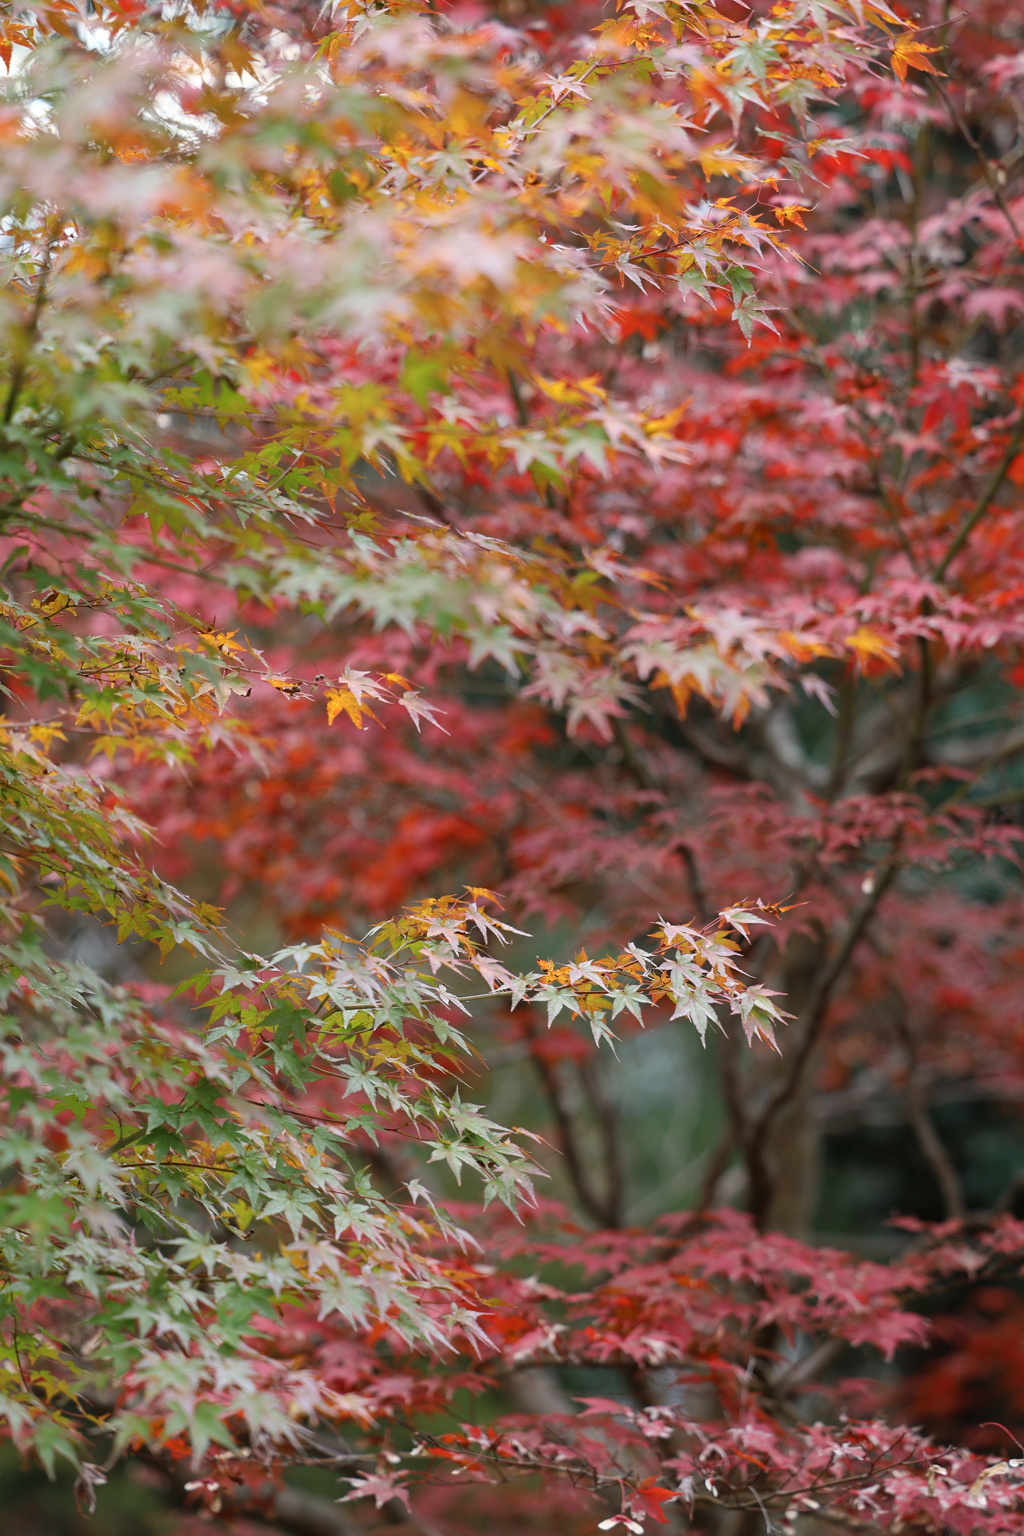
568	452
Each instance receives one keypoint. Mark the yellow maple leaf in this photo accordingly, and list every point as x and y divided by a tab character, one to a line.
867	644
343	700
660	426
43	735
717	160
559	390
259	367
222	639
53	603
592	387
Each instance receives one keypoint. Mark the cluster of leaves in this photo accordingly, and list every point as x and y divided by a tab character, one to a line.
721	1332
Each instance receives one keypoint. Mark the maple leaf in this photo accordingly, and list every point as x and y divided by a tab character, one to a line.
908	53
418	709
342	700
381	1487
867	645
286	685
648	1498
996	304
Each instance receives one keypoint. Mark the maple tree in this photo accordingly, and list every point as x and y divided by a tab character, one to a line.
575	454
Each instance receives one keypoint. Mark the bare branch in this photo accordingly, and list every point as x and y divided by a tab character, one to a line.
717	1164
606	1118
597	1209
928	1138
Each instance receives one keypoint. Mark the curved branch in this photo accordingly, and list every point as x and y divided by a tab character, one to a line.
928	1138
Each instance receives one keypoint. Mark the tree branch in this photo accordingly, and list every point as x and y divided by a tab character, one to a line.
289	1509
813	1022
597	1209
606	1117
637	766
983	161
985	500
717	1165
29	333
928	1138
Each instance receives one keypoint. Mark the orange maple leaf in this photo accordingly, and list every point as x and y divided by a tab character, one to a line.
910	54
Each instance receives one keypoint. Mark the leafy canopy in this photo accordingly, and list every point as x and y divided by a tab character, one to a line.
273	292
